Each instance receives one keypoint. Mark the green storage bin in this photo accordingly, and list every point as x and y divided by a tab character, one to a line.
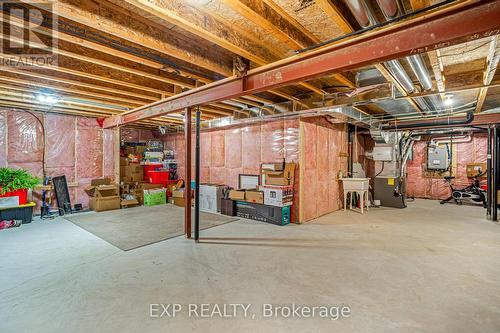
155	197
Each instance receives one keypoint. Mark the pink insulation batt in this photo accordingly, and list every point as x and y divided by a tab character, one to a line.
226	153
74	147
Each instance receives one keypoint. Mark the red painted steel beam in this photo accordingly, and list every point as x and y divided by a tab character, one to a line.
456	23
187	173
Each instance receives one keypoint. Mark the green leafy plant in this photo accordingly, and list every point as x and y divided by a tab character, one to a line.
16	179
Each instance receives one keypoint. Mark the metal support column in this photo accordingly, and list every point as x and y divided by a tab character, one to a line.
197	178
187	173
494	173
489	175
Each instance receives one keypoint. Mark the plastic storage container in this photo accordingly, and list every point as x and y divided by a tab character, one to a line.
23	212
22	194
157	177
155	197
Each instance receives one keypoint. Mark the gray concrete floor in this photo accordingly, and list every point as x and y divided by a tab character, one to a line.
427	268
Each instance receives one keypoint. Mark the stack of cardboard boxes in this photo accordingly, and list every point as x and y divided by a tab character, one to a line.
271	201
130	172
103	195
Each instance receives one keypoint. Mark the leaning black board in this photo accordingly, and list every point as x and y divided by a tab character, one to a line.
62	194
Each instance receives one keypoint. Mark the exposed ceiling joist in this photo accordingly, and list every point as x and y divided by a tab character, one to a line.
94	14
454	24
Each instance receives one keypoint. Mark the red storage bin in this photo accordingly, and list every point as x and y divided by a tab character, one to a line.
22	194
151	167
158	177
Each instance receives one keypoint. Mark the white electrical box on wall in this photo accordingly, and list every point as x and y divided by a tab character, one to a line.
437	158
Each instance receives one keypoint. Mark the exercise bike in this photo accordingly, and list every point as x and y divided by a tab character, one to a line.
472	192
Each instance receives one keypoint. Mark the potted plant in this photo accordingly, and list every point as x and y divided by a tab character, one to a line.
15	183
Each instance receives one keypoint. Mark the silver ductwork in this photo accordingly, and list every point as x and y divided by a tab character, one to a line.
395	67
418	66
391	9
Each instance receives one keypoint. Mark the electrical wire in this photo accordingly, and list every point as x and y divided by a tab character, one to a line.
43	135
381	170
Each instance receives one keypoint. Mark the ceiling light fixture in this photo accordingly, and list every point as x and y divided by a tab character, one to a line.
47	99
448	100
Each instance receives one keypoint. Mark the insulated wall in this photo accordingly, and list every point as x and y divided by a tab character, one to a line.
424	184
74	146
324	154
226	153
322	146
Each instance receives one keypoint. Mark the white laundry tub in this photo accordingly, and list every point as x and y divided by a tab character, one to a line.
356	184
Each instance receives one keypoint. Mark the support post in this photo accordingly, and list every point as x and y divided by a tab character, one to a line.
187	173
489	174
494	178
197	178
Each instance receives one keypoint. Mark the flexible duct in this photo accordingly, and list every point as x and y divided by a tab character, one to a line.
389	8
361	12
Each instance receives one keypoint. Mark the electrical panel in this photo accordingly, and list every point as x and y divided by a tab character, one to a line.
438	158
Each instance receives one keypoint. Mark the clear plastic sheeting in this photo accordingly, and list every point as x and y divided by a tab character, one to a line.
3	138
131	134
25	137
108	148
59	136
74	147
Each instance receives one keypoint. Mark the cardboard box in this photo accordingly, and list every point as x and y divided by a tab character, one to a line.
279	178
100	204
179	201
124	161
473	169
254	196
272	166
237	195
100	184
129	202
148	186
178	193
279	196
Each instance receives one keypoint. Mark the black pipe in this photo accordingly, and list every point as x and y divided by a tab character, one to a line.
197	179
489	174
494	178
431	123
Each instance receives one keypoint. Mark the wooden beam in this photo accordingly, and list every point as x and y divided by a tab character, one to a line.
481	96
292	21
32	95
35	91
94	14
419	4
77	83
39	85
335	15
176	12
